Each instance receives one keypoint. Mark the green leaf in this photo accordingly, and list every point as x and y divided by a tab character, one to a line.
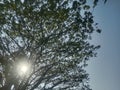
99	30
95	3
86	7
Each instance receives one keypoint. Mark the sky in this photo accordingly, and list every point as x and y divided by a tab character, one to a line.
104	70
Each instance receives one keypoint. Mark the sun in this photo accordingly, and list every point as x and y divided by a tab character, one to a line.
23	68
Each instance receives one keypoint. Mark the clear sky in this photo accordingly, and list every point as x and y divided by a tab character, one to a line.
105	69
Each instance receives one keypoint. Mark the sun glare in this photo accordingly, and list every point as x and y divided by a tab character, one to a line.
24	69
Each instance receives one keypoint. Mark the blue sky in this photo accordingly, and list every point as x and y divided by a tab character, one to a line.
105	69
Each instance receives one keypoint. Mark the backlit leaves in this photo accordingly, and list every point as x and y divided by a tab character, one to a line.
54	36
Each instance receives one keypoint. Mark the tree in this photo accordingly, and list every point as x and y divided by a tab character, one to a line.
52	37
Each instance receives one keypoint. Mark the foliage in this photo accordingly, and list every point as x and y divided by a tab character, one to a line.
53	36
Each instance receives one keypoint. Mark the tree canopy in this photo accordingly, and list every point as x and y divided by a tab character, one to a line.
52	37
